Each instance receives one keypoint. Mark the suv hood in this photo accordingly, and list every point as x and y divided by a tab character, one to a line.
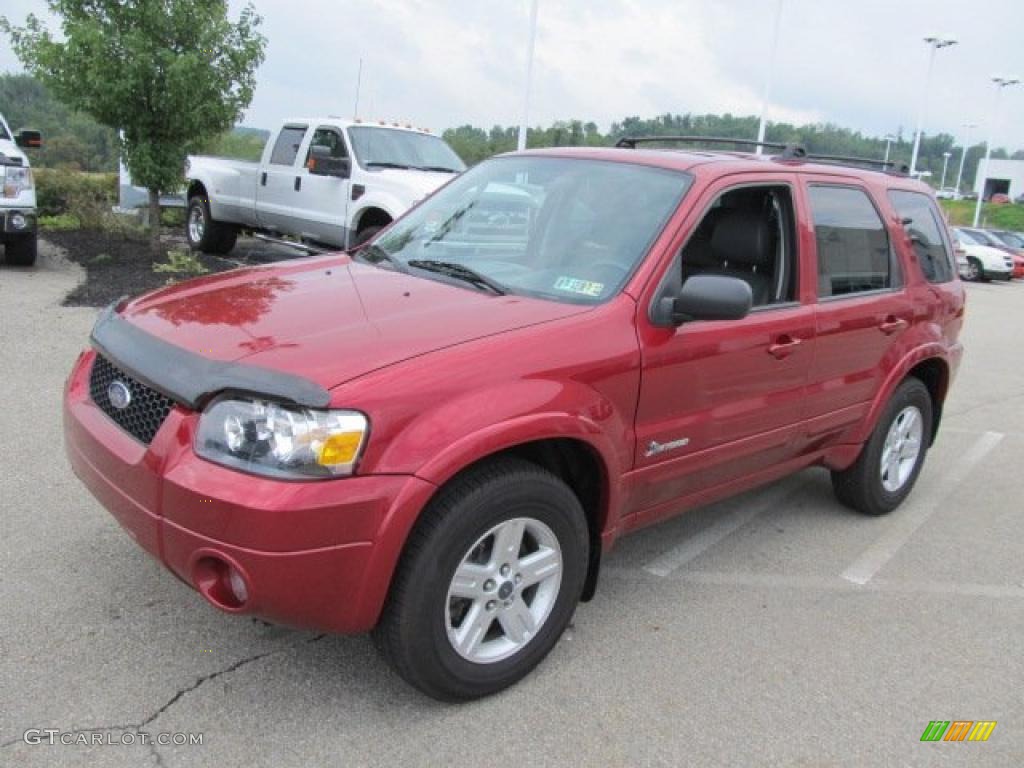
328	319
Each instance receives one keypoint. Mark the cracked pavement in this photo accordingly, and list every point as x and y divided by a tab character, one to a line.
751	650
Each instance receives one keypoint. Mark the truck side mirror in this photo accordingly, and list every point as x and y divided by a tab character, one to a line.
321	163
29	139
706	297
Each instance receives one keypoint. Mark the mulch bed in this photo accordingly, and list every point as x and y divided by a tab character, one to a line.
117	265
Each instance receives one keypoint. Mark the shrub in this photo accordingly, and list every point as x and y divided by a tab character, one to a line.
86	196
181	262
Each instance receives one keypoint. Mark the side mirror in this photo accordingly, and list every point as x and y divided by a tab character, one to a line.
706	297
321	163
29	139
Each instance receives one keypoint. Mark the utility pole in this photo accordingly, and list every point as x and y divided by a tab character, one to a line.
963	155
1000	83
934	43
524	123
766	94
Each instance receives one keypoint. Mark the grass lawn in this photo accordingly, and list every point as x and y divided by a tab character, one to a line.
1008	216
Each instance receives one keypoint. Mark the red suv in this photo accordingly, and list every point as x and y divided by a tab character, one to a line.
438	436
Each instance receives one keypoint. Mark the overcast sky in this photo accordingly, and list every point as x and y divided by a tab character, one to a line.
440	63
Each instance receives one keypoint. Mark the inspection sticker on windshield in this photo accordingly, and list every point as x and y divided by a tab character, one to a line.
582	287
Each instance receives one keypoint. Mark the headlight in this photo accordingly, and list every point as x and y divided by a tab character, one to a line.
268	438
16	180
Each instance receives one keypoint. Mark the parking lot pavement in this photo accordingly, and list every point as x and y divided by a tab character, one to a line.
772	629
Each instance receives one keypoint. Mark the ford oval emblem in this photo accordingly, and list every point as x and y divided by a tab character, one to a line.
119	395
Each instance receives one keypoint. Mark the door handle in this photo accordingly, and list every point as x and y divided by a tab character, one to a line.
263	179
784	346
892	324
298	183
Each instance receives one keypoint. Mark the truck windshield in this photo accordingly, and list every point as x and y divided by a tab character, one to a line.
4	135
570	230
390	148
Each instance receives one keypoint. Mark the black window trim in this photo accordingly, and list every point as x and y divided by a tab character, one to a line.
895	266
677	256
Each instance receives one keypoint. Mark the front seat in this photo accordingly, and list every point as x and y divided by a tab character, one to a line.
742	242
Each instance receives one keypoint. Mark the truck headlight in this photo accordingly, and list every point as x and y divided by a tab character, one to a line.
16	180
277	440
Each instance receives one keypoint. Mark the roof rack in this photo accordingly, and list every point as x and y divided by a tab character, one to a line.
789	151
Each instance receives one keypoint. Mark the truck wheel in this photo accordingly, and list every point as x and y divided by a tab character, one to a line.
203	233
888	466
366	234
21	251
488	581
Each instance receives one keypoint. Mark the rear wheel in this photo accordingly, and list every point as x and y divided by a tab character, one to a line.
203	233
21	251
488	583
974	270
888	466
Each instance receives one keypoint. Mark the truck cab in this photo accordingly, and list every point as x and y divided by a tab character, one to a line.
17	195
323	180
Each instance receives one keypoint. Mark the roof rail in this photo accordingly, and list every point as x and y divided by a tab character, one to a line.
789	151
888	166
792	151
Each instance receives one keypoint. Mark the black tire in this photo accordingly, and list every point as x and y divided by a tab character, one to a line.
203	233
21	251
974	270
366	234
860	487
412	634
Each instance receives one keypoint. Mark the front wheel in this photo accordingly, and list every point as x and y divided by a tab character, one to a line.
888	466
488	582
203	233
21	251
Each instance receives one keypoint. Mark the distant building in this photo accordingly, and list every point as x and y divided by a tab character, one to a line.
1005	176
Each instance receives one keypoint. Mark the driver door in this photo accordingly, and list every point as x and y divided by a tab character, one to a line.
323	200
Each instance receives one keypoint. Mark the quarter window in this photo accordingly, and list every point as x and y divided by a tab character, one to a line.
924	229
853	245
286	148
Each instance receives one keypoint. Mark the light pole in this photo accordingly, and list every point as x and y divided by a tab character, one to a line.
963	155
945	164
761	125
523	127
934	43
1000	83
889	139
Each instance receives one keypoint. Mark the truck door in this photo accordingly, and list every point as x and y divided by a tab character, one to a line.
322	200
279	183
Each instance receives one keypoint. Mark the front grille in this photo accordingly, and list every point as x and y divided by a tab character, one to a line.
146	409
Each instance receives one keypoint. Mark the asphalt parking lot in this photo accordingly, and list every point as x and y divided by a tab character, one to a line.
777	628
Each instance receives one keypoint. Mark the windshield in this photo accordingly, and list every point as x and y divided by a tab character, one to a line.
564	229
4	134
389	148
965	238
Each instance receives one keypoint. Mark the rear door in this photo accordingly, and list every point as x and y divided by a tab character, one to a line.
277	189
863	309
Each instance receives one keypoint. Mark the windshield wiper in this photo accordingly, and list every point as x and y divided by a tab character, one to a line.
437	168
374	254
382	164
459	272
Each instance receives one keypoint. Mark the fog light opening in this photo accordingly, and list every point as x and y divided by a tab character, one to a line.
221	583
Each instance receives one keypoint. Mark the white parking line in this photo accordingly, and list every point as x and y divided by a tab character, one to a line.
724	524
908	519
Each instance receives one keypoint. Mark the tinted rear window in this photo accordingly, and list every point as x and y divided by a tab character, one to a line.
926	231
853	244
286	148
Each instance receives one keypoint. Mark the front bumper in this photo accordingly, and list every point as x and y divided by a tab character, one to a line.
17	221
316	554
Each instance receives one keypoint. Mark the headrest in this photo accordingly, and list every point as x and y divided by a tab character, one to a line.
741	237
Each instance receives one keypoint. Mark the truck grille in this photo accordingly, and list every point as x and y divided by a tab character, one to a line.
146	408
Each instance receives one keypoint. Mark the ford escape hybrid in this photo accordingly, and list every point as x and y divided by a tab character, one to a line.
437	436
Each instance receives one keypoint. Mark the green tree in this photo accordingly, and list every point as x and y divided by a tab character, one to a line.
169	74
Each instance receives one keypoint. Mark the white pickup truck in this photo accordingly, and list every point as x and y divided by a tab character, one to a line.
327	181
17	196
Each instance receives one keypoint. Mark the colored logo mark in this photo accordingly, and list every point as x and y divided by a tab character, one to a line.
958	730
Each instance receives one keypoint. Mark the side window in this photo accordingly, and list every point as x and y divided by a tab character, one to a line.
286	148
330	138
924	227
748	233
853	245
